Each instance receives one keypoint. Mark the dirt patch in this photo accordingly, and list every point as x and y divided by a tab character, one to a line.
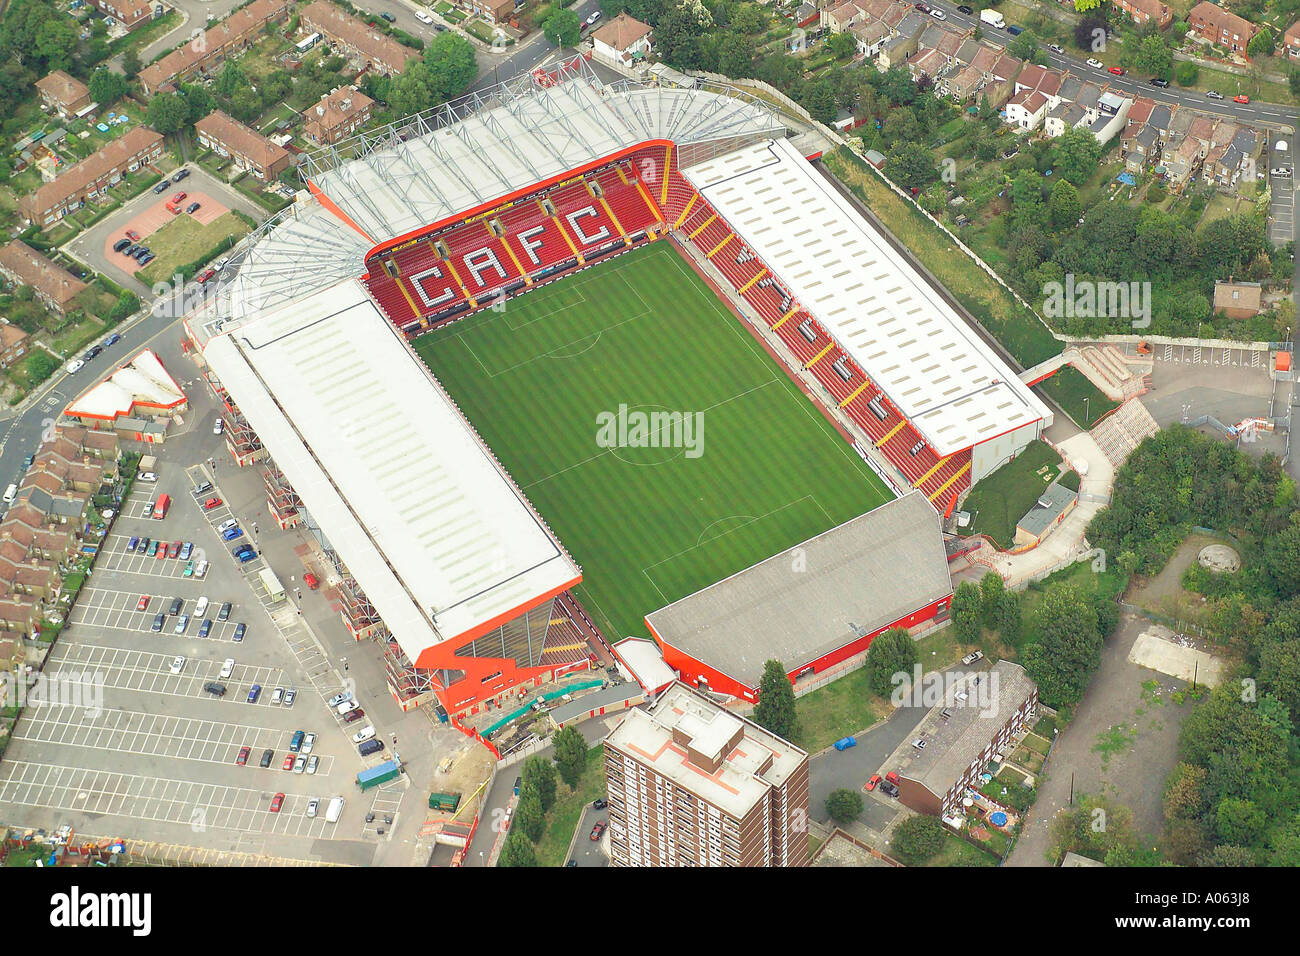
1154	593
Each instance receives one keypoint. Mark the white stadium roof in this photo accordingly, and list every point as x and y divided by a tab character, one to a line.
431	527
141	381
893	323
451	159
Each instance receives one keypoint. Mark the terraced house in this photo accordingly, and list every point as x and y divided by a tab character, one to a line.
1146	11
132	14
1223	29
366	47
249	149
204	56
337	116
92	176
64	94
55	287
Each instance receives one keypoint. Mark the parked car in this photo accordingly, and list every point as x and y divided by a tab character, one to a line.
192	208
218	426
1014	30
600	803
338	699
203	489
228	667
149	476
75	366
205	628
423	17
121	244
1055	48
244	553
389	17
353	715
1094	63
312	763
919	743
889	789
290	696
871	784
242	759
300	764
147	259
1241	98
295	742
598	829
186	549
189	570
267	756
277	802
177	665
1159	81
133	543
143	603
180	175
91	353
174	549
1116	70
112	340
205	275
844	743
212	503
230	534
239	633
182	623
133	235
963	8
288	761
178	197
1280	171
161	187
312	806
215	689
1210	94
591	20
224	613
254	692
938	14
308	742
972	657
158	621
923	7
311	581
364	734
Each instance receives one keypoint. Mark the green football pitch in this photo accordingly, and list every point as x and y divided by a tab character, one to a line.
648	525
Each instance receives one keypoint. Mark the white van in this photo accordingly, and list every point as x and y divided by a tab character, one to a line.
228	667
10	494
333	811
364	734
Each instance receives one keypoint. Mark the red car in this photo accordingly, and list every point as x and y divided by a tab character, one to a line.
892	777
1241	98
143	603
174	549
178	197
242	758
162	549
352	715
288	762
598	829
205	275
311	581
277	802
1117	71
211	503
133	235
871	784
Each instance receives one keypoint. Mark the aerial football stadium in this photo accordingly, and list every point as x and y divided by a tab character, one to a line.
420	354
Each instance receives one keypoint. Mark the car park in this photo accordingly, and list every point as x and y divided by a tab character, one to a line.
290	696
224	613
192	208
277	802
158	621
177	665
182	623
288	761
205	628
314	803
143	603
254	692
243	757
239	633
267	756
312	763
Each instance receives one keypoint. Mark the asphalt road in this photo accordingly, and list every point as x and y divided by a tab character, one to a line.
1252	113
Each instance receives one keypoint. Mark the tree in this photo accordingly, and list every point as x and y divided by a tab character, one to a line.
891	653
230	79
1186	74
842	45
844	806
246	105
55	42
517	851
967	611
1064	208
562	28
1155	57
911	165
131	63
529	819
1096	828
917	839
40	365
107	87
991	590
1068	651
449	62
1077	154
1292	82
570	755
775	708
1261	44
1006	616
540	773
736	56
820	101
1090	33
167	112
1024	46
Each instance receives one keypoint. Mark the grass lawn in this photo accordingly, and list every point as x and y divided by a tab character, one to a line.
564	813
957	852
649	525
1230	84
842	708
72	337
1001	499
183	241
1090	583
1019	331
1081	400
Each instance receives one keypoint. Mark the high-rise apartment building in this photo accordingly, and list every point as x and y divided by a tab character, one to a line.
692	784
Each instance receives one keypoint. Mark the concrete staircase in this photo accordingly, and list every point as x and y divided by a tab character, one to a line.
1123	430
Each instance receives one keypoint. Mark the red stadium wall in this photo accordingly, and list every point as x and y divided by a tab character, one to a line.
692	669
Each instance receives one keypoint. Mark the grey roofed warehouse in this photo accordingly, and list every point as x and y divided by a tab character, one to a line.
828	594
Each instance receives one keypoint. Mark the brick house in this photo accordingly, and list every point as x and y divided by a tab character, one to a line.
92	176
64	94
1224	29
337	116
623	40
221	42
1291	40
1144	11
352	38
250	149
1238	300
54	287
13	344
132	14
493	11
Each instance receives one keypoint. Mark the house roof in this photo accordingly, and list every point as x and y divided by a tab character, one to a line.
62	87
137	140
11	335
141	383
766	613
33	269
1222	20
1140	111
621	32
1237	295
1051	504
239	138
337	107
241	23
375	45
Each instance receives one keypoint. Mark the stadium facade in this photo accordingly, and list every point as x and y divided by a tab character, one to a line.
437	553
